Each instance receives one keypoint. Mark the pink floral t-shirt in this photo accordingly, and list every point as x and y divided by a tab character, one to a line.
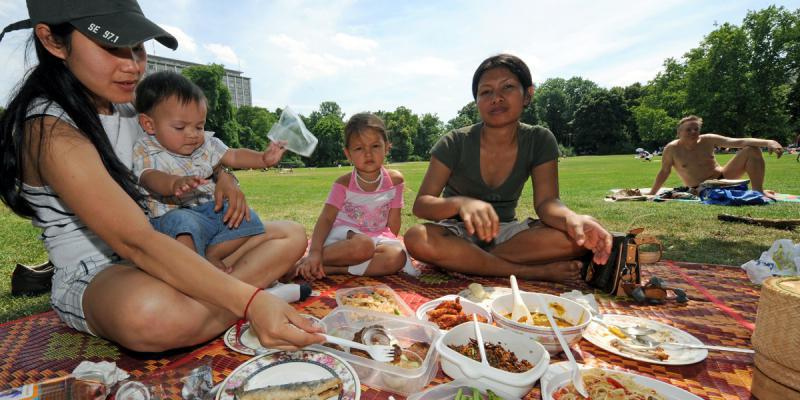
366	211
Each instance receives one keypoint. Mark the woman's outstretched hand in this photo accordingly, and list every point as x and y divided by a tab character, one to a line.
278	326
587	232
480	219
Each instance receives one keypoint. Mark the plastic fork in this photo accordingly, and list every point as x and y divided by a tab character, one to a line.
649	342
479	338
378	352
519	311
577	381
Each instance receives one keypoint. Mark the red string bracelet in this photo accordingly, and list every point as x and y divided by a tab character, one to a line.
241	322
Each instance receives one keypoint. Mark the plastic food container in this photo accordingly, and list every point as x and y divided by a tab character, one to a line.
458	366
344	322
402	309
467	306
574	313
449	390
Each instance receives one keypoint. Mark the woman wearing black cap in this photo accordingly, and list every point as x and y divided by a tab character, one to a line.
66	140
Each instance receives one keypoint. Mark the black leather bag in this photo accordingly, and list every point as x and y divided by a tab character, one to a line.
623	265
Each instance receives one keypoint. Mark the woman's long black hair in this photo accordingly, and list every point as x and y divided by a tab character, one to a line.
51	81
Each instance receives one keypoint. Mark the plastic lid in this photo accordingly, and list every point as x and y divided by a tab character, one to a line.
132	390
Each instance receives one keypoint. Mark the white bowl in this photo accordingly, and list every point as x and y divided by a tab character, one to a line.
468	307
458	366
574	313
449	390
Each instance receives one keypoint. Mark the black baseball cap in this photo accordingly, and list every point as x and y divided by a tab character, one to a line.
118	23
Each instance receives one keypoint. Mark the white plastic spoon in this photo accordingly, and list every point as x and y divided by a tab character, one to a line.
519	311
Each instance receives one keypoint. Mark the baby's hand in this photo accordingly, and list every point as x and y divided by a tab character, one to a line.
273	153
186	184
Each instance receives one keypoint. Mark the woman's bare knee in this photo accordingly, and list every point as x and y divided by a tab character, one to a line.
417	243
152	327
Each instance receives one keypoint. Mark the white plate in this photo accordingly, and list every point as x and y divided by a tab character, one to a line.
248	343
449	390
467	306
601	337
557	376
493	292
282	367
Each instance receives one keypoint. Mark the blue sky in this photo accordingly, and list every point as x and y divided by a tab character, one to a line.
378	55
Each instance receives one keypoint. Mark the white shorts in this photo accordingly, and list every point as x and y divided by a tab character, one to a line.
69	284
339	233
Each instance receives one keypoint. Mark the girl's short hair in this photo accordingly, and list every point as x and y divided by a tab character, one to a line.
513	63
159	86
361	122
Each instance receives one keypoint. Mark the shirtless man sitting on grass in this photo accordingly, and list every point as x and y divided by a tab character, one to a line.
692	155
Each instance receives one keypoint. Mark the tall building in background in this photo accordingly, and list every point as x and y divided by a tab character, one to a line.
238	85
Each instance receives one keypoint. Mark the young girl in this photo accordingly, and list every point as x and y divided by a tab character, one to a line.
66	141
357	230
474	182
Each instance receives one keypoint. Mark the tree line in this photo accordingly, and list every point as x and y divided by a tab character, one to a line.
741	79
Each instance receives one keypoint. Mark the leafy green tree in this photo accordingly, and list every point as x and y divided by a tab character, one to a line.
656	128
402	125
220	110
467	115
327	125
257	122
529	115
550	101
770	32
667	90
329	131
326	108
599	124
793	107
716	77
429	130
576	89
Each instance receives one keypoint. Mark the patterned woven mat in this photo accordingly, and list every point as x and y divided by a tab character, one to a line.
721	310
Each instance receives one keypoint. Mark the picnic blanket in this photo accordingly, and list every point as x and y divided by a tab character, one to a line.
721	310
709	196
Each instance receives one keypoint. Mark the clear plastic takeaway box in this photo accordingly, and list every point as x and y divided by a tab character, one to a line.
344	322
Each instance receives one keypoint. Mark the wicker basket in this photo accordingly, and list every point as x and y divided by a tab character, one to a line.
778	321
764	388
777	372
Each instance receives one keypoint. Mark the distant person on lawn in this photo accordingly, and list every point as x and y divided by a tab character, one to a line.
66	141
356	232
474	182
692	155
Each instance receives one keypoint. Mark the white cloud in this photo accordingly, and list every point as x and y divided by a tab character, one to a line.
355	43
307	64
285	42
433	66
223	53
185	42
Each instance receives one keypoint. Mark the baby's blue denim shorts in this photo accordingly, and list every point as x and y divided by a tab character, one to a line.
205	225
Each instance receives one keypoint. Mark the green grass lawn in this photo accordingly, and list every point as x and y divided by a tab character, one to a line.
689	232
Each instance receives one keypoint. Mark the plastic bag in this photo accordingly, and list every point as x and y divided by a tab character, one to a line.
291	129
191	381
782	259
